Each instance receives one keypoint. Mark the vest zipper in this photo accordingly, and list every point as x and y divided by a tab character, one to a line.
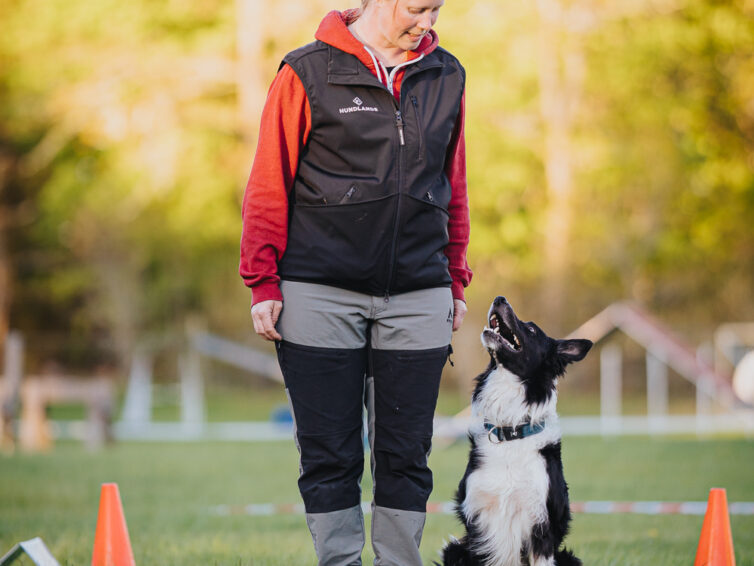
396	220
399	125
419	126
402	142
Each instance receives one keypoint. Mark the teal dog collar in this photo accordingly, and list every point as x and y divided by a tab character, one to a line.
507	433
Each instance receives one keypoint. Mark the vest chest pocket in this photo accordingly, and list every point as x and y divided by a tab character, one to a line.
345	199
419	127
348	196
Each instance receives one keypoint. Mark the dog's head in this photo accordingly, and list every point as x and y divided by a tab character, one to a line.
524	349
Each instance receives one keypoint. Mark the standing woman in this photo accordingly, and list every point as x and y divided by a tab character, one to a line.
355	218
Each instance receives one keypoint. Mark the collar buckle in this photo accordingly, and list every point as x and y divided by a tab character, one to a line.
498	434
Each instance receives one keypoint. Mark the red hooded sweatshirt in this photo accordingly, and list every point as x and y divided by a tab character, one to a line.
284	130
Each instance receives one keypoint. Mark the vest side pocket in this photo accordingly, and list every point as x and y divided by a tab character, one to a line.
344	245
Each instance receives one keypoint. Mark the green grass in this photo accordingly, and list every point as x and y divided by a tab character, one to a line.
222	403
244	403
168	490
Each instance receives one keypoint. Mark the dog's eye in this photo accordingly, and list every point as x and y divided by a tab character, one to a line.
531	329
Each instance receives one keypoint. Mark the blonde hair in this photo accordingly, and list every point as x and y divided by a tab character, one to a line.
360	10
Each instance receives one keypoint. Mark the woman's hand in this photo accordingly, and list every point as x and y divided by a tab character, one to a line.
265	315
459	311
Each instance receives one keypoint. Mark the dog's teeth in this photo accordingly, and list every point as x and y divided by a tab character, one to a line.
515	339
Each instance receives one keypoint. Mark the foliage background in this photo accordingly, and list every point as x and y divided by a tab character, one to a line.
610	157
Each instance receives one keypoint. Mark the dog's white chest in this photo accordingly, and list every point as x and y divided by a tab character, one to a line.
507	494
510	487
507	497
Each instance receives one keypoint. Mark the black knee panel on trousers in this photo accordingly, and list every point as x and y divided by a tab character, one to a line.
406	384
326	388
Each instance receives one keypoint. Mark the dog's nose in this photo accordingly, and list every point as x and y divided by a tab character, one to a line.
499	301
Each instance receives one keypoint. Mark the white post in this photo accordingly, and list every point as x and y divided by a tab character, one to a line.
14	360
10	386
137	408
705	391
611	368
192	393
657	392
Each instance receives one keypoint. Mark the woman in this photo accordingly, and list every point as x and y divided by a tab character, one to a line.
356	216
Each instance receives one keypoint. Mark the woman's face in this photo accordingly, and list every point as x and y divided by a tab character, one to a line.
403	23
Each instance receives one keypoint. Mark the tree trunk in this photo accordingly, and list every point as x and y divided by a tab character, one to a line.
5	283
251	91
5	262
560	79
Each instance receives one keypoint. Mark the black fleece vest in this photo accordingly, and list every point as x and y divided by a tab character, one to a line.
369	206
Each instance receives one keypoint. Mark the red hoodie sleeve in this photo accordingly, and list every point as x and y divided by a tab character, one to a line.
458	223
285	126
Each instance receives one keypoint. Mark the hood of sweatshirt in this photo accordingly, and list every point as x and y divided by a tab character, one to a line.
333	30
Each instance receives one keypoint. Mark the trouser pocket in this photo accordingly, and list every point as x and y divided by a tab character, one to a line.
326	387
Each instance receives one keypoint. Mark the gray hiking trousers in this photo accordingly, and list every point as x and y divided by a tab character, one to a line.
343	351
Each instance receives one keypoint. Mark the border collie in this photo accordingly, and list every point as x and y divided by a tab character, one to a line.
513	498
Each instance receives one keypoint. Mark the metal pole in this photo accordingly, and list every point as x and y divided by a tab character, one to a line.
704	394
611	378
192	393
137	409
10	387
657	392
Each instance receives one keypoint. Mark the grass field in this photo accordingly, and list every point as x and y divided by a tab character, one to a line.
168	491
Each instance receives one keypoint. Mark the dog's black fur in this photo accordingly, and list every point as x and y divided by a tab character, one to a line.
536	361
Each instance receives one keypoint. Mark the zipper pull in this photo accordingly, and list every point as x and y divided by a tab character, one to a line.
399	125
387	297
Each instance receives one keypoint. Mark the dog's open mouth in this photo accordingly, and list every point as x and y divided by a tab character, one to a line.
499	327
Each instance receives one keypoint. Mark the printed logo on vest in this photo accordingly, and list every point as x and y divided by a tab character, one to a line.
358	108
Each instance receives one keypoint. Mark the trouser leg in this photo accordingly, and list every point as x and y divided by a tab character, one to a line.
325	388
323	358
406	384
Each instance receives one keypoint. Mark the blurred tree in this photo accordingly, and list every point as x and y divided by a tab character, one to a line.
561	74
128	141
643	110
666	142
610	156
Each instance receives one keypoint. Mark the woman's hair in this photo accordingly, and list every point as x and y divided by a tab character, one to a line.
360	10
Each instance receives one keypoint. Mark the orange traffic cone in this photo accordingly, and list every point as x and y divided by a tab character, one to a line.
112	546
716	542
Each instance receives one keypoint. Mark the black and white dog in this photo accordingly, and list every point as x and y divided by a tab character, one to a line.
513	498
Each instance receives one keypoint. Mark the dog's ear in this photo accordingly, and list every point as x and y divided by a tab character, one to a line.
573	350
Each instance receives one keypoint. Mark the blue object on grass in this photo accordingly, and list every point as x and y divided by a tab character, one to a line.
281	415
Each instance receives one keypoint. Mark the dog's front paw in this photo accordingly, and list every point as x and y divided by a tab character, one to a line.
457	553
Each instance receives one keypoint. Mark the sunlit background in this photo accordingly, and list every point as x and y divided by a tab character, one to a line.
610	150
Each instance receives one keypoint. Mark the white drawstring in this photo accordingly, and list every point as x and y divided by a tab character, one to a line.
381	70
376	64
391	77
